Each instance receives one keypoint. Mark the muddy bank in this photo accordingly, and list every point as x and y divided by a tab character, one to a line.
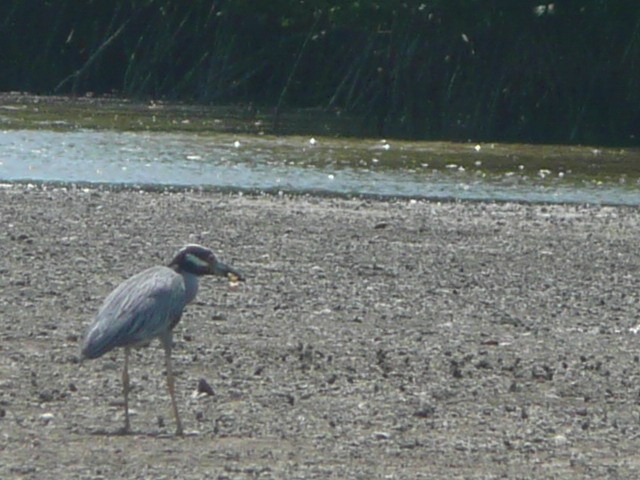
372	340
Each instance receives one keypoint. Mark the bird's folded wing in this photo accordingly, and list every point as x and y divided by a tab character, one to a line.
137	311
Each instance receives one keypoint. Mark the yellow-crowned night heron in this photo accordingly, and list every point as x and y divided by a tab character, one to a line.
148	306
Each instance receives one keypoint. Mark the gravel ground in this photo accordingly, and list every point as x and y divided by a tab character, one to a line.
373	339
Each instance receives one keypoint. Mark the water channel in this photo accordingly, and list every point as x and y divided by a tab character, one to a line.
323	164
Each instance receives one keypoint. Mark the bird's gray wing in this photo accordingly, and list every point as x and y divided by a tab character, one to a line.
138	310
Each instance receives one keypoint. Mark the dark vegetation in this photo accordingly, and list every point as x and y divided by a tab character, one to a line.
506	70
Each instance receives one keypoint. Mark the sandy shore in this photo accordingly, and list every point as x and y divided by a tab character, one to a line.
373	339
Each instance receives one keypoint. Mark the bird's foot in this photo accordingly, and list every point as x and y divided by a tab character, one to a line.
126	430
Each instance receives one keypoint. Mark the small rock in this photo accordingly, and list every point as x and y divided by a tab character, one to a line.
317	270
578	460
45	396
290	399
381	435
456	371
411	444
204	388
73	359
560	440
23	237
425	411
484	364
542	372
47	417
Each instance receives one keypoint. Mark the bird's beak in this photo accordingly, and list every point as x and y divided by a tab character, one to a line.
223	270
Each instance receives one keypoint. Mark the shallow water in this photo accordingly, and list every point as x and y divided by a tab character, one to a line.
435	170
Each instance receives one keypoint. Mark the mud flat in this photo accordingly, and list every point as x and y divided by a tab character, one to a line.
374	339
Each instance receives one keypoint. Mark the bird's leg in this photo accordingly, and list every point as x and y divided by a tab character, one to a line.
125	389
171	383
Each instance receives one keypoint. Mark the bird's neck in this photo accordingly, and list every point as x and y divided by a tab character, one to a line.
190	286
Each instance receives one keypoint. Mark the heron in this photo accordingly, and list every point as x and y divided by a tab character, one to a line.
149	305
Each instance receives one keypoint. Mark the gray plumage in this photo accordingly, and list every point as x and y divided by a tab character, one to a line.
149	305
143	307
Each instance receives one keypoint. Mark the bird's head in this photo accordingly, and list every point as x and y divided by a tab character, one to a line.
199	260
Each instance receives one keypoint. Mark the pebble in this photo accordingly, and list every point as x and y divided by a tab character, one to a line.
203	389
47	417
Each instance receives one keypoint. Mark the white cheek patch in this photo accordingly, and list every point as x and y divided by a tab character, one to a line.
196	261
